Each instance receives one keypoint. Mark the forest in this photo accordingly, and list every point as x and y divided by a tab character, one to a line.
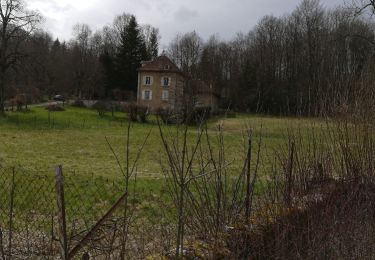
305	62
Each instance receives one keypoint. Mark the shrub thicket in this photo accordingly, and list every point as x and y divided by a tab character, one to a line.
137	113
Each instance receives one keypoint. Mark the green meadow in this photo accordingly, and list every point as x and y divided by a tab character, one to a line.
78	139
90	149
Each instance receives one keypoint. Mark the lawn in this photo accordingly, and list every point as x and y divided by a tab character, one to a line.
39	140
36	141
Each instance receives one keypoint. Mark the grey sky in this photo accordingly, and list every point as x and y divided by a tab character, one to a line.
207	17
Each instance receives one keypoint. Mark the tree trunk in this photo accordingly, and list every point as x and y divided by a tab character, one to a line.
2	93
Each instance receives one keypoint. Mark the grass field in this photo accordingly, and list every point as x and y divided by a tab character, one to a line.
39	140
36	141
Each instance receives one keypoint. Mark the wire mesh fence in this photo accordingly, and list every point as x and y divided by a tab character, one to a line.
30	223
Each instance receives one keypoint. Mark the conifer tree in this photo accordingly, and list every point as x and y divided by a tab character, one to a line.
106	61
154	44
131	52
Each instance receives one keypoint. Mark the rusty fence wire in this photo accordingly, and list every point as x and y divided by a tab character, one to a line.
30	218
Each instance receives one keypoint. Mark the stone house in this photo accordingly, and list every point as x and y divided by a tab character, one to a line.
161	84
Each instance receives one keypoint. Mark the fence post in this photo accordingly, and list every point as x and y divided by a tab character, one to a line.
61	213
11	208
290	174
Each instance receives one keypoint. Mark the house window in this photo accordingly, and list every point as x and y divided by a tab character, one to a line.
148	81
147	95
165	81
166	67
165	95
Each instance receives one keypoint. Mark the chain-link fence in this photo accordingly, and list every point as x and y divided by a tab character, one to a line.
40	214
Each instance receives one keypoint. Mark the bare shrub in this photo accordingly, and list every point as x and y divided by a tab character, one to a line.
211	199
166	115
101	107
137	113
196	115
318	201
128	171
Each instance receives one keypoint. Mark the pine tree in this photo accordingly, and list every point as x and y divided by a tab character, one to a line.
106	61
154	44
130	53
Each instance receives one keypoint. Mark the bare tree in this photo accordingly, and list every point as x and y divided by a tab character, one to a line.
118	27
17	23
361	6
82	58
97	43
186	50
152	37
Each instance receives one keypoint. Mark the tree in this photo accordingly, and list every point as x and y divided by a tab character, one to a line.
361	6
109	73
153	44
129	56
151	37
185	50
36	68
16	25
119	26
83	60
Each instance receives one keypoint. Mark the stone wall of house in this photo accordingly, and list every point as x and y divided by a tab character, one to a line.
175	90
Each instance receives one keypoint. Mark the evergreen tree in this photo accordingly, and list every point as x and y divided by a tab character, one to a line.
107	64
131	52
154	44
55	46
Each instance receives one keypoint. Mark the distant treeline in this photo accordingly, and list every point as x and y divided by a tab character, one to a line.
306	62
90	66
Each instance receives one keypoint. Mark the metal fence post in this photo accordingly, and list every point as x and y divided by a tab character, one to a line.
61	213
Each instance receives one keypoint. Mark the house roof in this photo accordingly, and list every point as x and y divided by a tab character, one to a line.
161	63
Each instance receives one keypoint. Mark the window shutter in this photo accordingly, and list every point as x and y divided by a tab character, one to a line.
144	80
150	95
169	81
151	80
143	95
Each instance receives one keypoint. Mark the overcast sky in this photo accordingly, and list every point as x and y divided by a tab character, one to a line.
207	17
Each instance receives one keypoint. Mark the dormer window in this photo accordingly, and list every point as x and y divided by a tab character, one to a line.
166	66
